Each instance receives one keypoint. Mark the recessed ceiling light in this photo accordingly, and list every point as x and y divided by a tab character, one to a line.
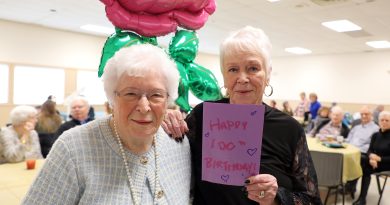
273	0
379	44
98	29
298	50
341	26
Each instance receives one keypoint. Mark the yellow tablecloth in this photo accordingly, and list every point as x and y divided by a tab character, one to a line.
299	119
351	165
15	180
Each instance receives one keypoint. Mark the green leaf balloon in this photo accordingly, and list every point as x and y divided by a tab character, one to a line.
202	82
119	40
184	46
182	100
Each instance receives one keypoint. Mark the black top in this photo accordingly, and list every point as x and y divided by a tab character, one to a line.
284	155
380	145
46	141
69	124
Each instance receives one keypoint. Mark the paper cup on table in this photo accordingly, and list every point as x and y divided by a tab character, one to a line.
340	139
30	163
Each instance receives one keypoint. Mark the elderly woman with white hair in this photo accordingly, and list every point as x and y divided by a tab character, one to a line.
334	126
287	174
124	158
20	141
378	153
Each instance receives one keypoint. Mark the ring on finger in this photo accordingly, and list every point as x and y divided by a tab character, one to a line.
262	194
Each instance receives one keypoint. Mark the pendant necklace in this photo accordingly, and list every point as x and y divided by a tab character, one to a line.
158	192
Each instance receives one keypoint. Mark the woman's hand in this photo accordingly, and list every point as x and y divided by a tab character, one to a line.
174	124
262	188
28	126
375	157
373	163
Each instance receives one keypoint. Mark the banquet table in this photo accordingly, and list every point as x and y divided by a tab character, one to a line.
15	181
351	157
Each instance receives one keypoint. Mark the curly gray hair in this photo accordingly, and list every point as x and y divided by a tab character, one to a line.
137	60
22	113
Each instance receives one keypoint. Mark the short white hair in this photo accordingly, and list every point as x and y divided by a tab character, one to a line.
383	114
81	98
248	39
137	60
21	113
337	109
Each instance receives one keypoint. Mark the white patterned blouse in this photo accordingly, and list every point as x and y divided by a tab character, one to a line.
85	166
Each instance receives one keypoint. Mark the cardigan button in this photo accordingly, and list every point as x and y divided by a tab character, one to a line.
160	194
144	160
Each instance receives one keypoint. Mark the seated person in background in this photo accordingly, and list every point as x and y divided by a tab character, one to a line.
360	136
79	108
378	109
287	109
378	153
273	104
48	123
323	115
334	126
19	140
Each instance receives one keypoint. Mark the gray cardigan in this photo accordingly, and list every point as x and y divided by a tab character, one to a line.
85	167
13	150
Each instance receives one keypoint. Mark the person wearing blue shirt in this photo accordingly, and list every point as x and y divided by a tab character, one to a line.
314	105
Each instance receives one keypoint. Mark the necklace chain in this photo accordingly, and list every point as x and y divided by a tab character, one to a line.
124	157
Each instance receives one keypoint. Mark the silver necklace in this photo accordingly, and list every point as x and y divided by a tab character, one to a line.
158	193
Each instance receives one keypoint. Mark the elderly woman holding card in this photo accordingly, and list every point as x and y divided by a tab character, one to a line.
287	174
124	158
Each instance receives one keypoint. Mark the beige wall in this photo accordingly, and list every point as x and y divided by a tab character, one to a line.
349	79
36	45
345	78
24	44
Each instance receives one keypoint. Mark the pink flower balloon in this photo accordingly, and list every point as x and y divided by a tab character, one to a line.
158	17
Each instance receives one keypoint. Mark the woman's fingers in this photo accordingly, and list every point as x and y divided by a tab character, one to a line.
164	125
183	126
174	123
262	188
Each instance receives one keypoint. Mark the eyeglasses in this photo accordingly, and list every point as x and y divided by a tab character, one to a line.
133	95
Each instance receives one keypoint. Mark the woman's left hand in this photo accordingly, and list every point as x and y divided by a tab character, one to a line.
373	163
375	157
174	124
262	188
